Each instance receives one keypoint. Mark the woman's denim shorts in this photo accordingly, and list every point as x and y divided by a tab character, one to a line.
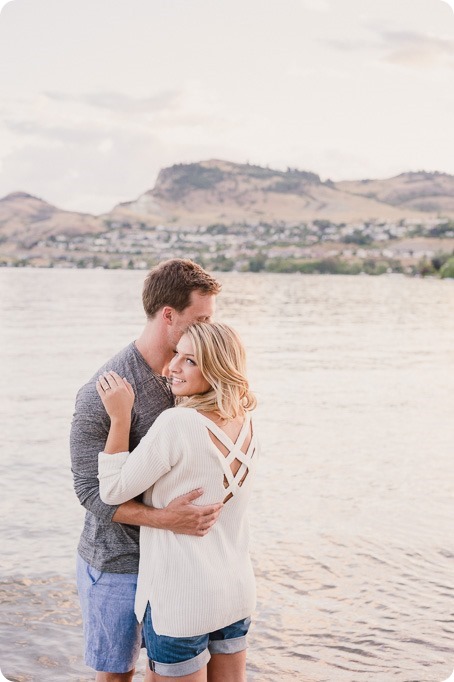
178	656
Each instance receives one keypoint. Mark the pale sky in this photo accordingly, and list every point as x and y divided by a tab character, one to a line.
96	96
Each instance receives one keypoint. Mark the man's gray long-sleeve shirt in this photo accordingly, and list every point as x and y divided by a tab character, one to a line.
104	544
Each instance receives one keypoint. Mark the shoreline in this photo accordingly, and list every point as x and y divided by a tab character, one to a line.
310	268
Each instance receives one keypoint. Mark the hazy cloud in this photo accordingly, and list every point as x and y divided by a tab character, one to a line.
316	5
350	45
90	118
37	129
119	102
417	49
407	48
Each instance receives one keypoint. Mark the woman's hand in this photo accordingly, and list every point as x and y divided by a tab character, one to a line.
117	395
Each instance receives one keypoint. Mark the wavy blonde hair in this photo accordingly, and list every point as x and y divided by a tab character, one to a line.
219	353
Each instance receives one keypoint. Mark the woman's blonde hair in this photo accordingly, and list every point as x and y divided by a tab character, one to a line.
220	356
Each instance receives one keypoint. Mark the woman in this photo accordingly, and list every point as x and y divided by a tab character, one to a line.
201	589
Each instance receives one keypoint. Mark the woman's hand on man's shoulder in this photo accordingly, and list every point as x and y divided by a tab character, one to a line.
116	393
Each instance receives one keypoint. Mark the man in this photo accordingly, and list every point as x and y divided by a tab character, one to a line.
176	293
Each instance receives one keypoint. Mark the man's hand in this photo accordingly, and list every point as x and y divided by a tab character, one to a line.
180	515
183	517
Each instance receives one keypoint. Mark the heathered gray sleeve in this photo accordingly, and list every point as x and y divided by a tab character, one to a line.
89	430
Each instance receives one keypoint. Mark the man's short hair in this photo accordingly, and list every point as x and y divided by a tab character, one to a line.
171	283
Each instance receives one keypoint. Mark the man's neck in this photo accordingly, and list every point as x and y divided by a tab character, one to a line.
153	348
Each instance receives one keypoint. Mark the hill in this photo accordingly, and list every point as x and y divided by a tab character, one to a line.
25	220
421	191
228	193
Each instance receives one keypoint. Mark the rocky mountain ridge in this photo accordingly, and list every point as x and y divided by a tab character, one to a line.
227	193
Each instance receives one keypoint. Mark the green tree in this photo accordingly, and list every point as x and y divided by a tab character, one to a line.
257	263
358	237
222	263
439	260
424	268
447	270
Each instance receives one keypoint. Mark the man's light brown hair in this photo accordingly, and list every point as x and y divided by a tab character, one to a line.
171	283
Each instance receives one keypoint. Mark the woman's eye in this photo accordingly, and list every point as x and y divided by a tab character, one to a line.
191	362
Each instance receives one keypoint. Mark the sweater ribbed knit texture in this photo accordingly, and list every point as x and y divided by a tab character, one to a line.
195	585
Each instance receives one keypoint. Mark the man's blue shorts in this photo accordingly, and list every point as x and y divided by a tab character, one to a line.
179	656
113	637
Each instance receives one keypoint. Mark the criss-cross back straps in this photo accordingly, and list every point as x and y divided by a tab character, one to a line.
234	480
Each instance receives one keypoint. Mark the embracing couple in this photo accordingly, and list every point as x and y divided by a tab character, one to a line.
167	418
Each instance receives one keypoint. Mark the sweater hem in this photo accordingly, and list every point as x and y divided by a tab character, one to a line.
209	627
107	567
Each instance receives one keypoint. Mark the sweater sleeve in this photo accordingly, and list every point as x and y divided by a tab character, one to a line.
123	475
89	430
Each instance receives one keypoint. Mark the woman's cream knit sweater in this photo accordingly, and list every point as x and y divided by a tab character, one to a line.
195	585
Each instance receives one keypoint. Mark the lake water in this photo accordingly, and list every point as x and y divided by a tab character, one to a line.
352	514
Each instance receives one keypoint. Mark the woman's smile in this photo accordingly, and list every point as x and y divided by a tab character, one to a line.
185	376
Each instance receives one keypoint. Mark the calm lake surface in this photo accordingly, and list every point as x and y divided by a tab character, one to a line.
352	513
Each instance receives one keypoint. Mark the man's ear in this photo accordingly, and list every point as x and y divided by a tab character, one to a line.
167	314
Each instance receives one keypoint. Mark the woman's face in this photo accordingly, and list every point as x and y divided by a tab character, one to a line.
185	377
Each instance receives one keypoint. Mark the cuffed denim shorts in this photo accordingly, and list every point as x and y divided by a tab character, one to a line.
178	656
113	637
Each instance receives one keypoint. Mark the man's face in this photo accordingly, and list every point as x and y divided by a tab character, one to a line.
200	309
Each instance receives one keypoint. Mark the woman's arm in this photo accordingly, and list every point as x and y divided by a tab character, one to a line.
123	476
